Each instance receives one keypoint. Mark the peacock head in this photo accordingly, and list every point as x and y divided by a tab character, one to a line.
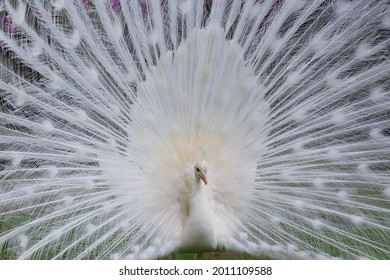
200	171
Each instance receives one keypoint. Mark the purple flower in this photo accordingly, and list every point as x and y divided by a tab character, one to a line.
5	20
116	5
12	29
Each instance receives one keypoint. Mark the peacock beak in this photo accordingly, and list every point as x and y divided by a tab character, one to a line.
204	178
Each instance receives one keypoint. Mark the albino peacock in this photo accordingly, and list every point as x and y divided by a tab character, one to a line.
136	129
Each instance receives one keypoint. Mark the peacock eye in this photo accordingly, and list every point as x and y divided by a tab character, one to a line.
197	169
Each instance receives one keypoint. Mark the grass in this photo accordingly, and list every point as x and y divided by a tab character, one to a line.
224	255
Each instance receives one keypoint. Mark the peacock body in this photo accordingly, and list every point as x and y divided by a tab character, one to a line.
134	129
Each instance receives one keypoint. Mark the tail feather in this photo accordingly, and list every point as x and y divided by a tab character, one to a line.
105	106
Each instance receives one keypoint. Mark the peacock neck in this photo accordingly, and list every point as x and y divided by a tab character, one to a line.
199	185
199	229
198	199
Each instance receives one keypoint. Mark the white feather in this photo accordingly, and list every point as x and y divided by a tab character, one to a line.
105	109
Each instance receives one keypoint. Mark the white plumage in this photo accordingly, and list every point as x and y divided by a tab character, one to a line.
199	228
111	109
